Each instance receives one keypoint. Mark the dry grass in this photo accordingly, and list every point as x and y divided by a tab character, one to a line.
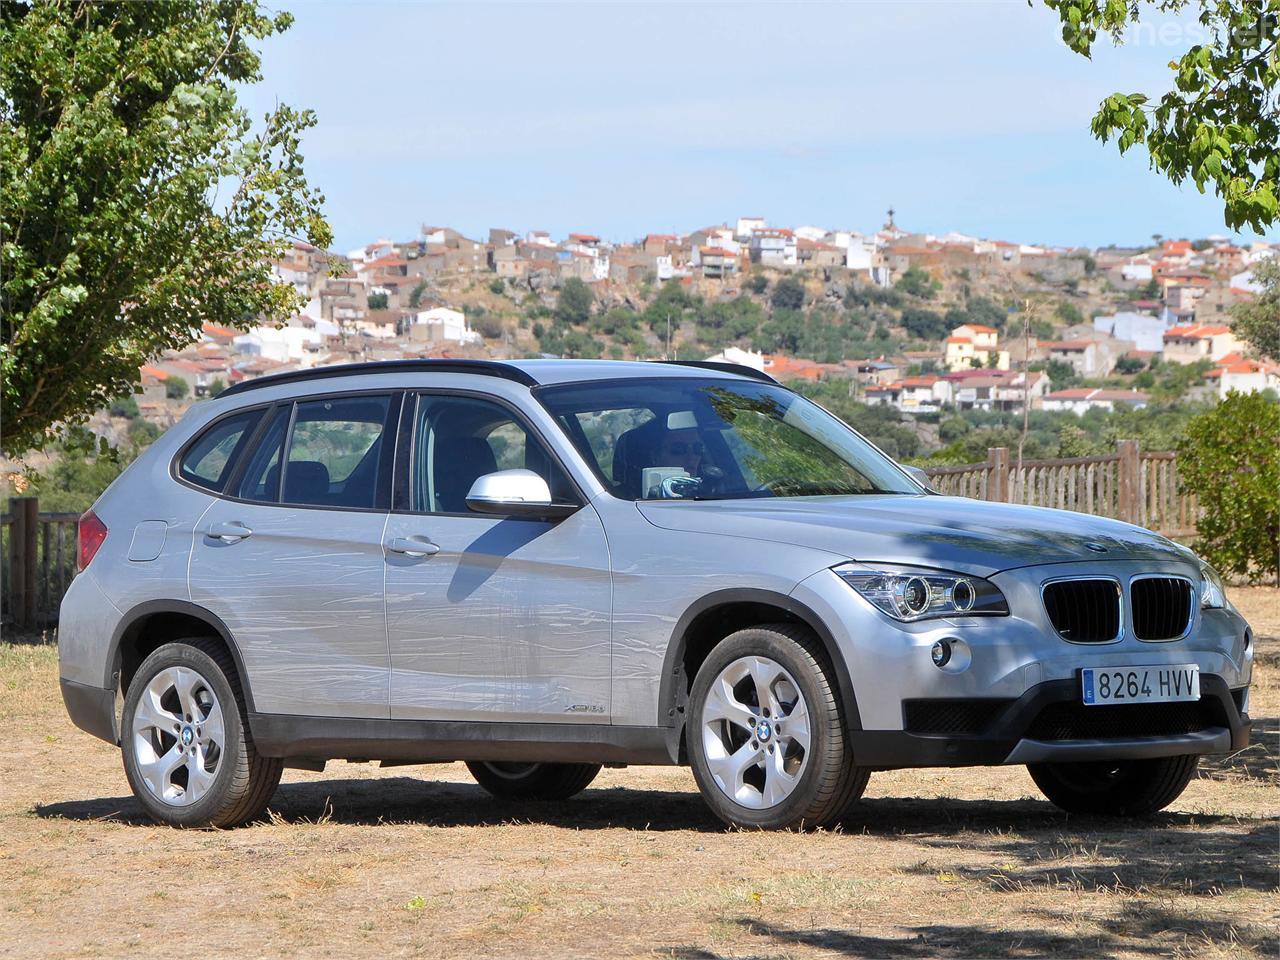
368	862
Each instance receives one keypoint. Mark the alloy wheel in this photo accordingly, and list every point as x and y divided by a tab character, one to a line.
178	736
755	732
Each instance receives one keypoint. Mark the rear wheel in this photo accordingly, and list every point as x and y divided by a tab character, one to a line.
533	781
766	733
1126	788
187	750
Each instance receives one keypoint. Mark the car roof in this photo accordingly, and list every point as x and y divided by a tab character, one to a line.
528	372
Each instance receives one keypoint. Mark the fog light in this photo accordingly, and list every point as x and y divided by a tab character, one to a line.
941	653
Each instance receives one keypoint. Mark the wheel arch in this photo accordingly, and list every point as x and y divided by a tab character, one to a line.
710	620
156	622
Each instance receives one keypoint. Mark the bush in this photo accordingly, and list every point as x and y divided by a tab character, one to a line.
489	326
757	283
916	282
497	286
1229	458
378	301
175	388
126	406
788	294
574	305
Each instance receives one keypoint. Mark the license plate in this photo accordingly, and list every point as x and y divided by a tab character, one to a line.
1155	684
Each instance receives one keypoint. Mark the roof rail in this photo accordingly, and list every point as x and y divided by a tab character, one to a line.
487	368
741	370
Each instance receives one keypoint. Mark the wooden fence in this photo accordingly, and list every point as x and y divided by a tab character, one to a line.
39	549
1128	485
39	556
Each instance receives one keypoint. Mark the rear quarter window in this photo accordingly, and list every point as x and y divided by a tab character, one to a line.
208	461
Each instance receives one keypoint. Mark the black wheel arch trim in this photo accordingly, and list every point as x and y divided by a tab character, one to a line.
151	608
671	705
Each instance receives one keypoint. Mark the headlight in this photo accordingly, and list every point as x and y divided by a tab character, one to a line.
909	594
1212	594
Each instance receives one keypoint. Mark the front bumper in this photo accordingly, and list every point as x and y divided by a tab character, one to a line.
1007	671
1049	724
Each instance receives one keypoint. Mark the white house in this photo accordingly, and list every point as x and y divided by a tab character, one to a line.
1146	332
1243	375
747	226
442	324
773	247
1136	271
1081	399
816	234
744	358
281	344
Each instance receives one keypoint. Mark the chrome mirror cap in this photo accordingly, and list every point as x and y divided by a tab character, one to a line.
515	493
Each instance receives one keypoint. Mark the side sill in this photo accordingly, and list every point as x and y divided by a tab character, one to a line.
339	738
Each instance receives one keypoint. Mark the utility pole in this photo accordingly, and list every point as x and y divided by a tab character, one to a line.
1026	378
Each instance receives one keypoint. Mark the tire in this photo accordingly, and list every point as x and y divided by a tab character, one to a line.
1126	788
786	777
219	780
533	781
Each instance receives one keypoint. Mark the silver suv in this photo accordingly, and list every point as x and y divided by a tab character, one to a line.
541	567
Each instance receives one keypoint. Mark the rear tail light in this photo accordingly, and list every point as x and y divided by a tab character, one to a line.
90	532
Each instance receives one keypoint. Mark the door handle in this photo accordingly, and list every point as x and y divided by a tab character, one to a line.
413	546
229	532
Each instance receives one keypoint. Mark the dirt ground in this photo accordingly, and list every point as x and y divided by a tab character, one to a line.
418	861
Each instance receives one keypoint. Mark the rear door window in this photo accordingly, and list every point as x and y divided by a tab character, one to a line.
336	452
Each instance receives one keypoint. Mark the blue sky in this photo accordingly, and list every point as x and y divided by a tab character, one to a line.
621	118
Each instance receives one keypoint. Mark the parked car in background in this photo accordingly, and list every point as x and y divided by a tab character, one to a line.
540	567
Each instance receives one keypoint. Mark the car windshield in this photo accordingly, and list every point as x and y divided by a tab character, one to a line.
716	439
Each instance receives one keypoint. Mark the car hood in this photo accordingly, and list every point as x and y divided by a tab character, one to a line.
949	533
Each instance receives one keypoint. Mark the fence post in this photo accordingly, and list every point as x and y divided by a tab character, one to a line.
1130	500
998	474
25	512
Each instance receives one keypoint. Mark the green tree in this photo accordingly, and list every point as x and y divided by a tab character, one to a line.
574	305
925	324
136	200
1129	364
1258	321
415	295
1068	313
1219	126
379	301
497	286
916	282
1230	459
176	388
216	386
788	294
757	283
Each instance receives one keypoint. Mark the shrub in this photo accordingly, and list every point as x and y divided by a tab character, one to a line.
1229	458
377	301
497	286
574	305
917	282
788	294
175	388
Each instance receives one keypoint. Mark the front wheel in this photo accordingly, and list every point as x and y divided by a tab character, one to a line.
186	747
533	781
1126	788
766	735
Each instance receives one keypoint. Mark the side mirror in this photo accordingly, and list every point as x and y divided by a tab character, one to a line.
516	493
920	477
